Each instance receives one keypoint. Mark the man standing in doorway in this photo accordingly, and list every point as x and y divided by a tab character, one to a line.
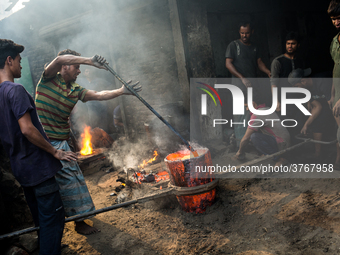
283	65
334	13
242	60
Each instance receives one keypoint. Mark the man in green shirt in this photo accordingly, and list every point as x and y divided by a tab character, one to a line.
56	95
334	13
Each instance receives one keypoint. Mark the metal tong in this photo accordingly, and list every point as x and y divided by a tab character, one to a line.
150	108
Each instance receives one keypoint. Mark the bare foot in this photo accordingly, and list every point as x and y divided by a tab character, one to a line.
83	228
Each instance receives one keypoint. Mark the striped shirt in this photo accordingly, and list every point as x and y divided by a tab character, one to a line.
54	105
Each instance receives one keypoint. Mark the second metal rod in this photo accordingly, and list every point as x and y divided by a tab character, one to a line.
149	106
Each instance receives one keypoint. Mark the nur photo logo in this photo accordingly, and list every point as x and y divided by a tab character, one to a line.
204	97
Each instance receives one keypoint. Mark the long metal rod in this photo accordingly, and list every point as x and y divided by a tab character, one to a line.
159	195
77	217
148	198
147	105
162	194
258	160
315	141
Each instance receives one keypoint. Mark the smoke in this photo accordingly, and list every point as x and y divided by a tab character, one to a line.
194	145
135	37
127	154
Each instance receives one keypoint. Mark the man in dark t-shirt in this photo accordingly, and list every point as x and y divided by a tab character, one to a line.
242	60
33	159
282	66
280	69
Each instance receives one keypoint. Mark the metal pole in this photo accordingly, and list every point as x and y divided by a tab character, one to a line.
258	160
149	106
162	194
73	218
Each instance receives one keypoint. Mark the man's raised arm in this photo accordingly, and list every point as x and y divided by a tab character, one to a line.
110	94
54	67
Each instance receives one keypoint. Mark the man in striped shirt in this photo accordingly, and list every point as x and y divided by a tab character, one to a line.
56	95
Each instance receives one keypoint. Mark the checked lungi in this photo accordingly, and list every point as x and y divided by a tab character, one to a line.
73	190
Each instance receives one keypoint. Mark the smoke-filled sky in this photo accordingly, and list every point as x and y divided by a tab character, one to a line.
8	7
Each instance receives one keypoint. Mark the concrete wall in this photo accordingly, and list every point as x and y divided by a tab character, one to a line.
196	37
151	60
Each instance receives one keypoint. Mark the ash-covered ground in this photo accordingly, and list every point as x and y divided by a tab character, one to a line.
250	216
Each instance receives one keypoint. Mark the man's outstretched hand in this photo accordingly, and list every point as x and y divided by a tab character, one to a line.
65	155
99	61
133	86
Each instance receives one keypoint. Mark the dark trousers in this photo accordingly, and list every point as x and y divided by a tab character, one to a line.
240	129
48	213
265	144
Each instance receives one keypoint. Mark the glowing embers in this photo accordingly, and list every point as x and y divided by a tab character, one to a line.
86	142
182	165
150	171
142	176
155	156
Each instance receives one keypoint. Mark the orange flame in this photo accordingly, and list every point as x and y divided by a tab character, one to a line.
86	142
155	154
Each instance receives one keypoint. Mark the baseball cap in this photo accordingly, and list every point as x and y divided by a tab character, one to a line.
296	75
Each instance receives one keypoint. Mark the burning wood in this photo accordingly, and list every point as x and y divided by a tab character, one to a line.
150	175
142	176
155	155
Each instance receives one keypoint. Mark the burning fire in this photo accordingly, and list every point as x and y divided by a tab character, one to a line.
155	154
86	142
140	177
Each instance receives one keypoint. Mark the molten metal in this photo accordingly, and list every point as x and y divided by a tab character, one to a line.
182	168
